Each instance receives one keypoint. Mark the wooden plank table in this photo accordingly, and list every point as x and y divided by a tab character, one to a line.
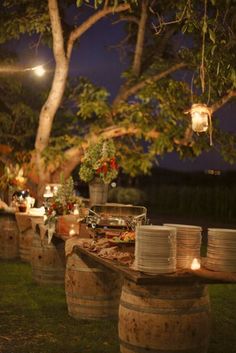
165	312
202	275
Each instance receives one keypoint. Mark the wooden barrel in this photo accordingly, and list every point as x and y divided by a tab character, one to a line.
25	244
164	318
47	261
92	291
9	237
26	235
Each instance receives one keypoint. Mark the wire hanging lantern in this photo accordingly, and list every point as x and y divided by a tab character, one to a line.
201	118
200	113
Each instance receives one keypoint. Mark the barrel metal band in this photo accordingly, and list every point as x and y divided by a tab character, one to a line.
138	349
84	269
93	297
164	311
111	308
156	295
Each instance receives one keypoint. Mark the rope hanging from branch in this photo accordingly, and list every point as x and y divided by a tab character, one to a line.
204	30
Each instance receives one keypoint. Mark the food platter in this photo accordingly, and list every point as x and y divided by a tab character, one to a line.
119	242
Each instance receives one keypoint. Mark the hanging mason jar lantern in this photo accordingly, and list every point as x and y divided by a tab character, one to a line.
201	118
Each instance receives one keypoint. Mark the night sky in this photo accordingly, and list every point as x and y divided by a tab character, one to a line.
96	60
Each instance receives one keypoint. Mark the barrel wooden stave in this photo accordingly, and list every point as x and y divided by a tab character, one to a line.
25	244
26	235
9	237
47	261
92	291
164	319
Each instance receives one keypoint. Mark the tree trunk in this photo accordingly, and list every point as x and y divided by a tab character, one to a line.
62	58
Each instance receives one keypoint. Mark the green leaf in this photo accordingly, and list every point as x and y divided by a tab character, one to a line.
212	36
213	49
233	77
79	2
184	28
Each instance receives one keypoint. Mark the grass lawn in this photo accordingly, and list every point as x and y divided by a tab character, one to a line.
34	319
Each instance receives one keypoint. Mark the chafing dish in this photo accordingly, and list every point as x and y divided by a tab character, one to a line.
115	217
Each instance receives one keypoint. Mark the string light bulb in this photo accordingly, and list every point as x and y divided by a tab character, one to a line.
39	70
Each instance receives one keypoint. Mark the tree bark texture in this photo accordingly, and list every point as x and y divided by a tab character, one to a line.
137	63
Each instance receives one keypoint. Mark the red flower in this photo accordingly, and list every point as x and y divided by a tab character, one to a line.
113	163
70	206
104	168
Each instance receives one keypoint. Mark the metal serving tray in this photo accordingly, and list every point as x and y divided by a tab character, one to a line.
116	216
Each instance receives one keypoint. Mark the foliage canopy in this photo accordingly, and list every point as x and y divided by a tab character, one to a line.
179	53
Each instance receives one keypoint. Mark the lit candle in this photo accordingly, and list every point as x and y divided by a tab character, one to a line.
76	210
48	192
195	264
55	190
72	231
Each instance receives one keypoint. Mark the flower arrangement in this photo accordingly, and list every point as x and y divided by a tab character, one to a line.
13	177
62	202
99	162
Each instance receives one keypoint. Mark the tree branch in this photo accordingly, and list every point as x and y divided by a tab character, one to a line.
128	19
52	103
136	68
121	47
158	28
106	3
129	91
77	33
74	155
222	101
58	40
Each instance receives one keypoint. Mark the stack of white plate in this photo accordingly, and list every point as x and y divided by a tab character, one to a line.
221	250
188	244
155	249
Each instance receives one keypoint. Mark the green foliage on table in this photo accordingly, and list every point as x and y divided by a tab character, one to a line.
12	177
62	202
65	197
